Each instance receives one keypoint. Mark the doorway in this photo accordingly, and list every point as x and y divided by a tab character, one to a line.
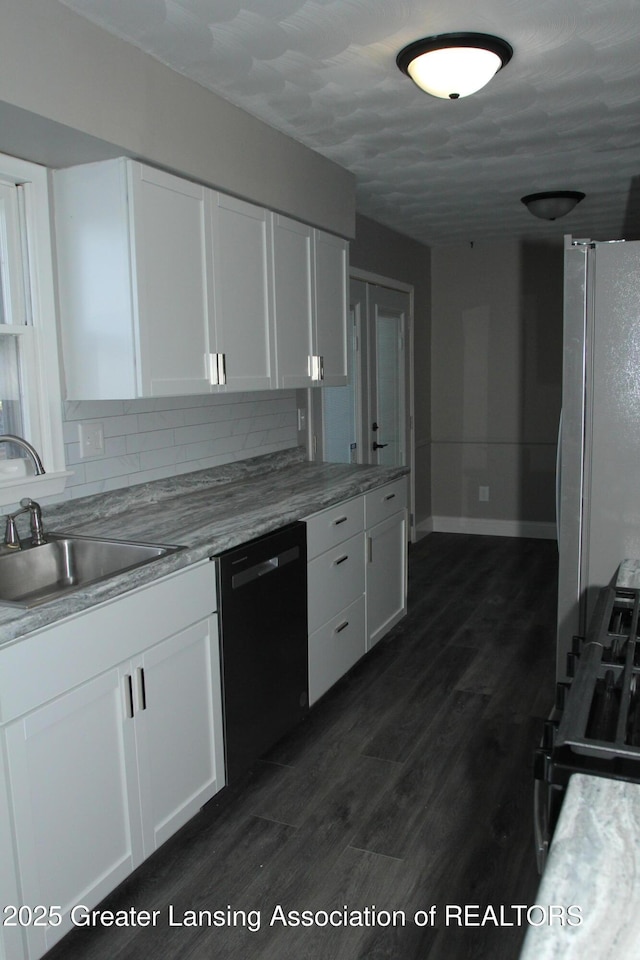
370	420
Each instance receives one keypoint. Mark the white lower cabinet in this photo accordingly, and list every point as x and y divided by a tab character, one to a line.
336	578
102	774
386	521
386	576
177	737
357	579
335	587
72	768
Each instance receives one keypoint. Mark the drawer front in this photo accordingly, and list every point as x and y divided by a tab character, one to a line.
335	580
384	501
334	648
333	526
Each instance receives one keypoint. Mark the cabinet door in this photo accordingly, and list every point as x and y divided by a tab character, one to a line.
76	819
331	263
171	276
178	722
242	293
386	576
293	285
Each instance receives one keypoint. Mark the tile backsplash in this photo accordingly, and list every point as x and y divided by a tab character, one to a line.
152	439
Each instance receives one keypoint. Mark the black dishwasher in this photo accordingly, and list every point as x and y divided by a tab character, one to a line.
263	617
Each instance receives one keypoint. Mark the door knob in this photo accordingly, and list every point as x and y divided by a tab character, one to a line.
379	446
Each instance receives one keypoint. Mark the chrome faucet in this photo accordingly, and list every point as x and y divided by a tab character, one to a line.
11	538
33	453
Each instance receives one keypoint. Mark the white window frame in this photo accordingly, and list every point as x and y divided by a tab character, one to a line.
39	340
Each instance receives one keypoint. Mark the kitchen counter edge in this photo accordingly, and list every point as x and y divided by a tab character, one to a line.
205	513
593	864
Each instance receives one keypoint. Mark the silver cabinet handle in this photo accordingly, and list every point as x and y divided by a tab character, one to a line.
390	496
370	549
316	368
341	560
216	368
339	521
341	627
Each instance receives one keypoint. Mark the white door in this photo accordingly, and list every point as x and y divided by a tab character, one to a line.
178	723
386	576
369	420
76	819
331	278
293	294
171	272
611	526
242	293
387	333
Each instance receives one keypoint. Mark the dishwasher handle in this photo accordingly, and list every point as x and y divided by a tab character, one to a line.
264	567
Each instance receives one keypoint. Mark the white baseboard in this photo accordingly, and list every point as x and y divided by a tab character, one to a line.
488	528
424	527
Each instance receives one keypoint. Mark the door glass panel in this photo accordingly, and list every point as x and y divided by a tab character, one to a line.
339	410
390	390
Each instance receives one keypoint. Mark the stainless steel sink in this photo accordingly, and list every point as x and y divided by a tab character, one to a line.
66	563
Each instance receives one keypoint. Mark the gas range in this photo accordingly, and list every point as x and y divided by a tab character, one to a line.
595	725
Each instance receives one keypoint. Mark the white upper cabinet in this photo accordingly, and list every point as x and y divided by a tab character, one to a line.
241	293
170	288
133	280
332	265
310	303
293	286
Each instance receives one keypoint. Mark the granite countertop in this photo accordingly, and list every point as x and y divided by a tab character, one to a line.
206	512
594	863
629	574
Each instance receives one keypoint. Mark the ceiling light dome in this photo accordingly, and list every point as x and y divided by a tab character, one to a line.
454	65
552	204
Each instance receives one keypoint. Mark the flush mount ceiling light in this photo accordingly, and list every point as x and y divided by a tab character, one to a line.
553	204
453	65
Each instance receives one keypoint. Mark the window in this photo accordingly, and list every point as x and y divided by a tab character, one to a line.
29	374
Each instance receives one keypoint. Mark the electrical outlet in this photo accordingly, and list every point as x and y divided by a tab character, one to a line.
483	494
302	418
91	437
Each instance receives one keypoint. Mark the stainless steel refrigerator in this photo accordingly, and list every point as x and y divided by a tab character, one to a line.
599	446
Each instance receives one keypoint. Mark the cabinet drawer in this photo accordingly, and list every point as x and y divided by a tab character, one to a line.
335	580
385	501
335	647
333	526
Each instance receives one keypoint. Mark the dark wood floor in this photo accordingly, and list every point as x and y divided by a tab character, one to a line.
408	787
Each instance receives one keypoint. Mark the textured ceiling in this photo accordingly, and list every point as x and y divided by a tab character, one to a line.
563	114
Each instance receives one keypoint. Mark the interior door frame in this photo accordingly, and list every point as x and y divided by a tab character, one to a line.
316	431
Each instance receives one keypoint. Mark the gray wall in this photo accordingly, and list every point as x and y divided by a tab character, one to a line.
70	92
383	251
496	385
